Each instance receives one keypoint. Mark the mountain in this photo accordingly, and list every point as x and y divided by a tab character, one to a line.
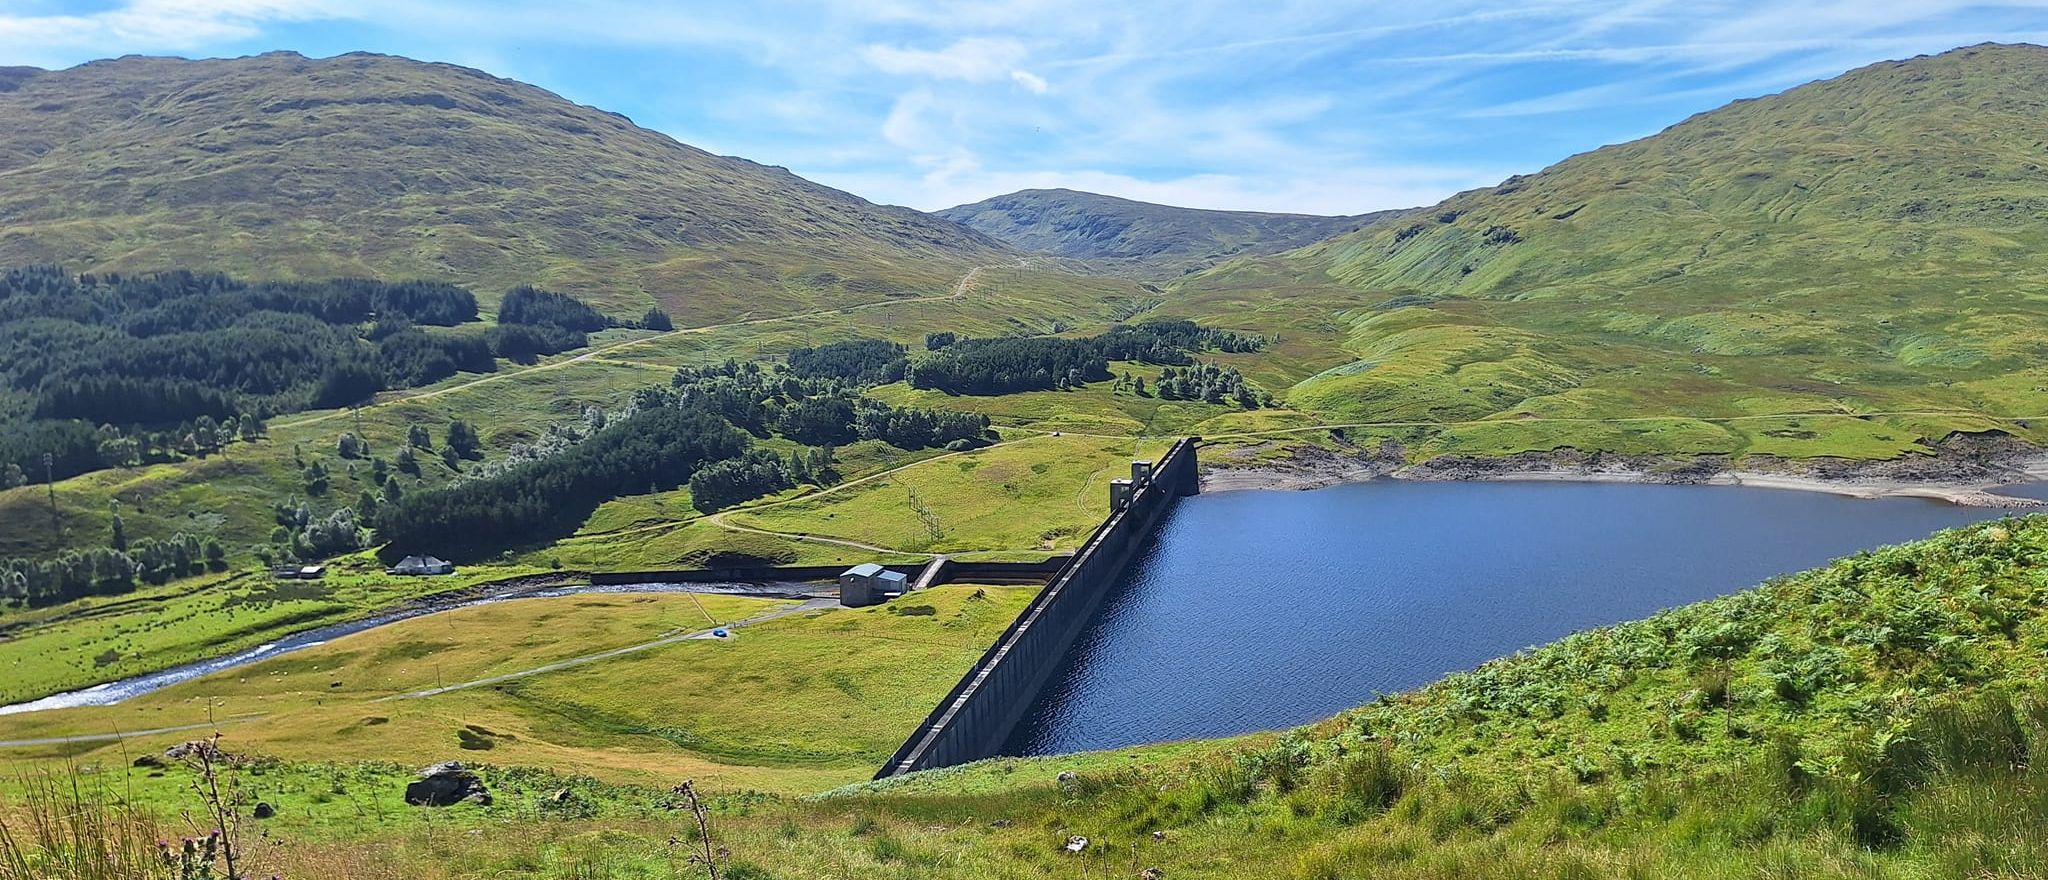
1139	237
1869	244
284	166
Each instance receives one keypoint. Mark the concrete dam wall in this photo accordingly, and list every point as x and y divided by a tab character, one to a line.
976	717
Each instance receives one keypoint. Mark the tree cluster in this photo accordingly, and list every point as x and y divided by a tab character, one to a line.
819	411
861	361
725	483
1211	384
107	570
652	450
531	305
156	355
698	432
1009	365
534	322
1051	363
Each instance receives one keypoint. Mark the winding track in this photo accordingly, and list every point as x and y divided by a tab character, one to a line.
573	662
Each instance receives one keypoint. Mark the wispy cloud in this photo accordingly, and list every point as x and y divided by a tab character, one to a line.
1313	105
157	24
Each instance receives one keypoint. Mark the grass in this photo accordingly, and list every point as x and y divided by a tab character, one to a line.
975	499
230	495
432	171
1880	717
1735	264
80	644
1093	408
793	704
1729	287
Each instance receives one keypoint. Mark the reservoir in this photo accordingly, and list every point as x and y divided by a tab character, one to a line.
1255	610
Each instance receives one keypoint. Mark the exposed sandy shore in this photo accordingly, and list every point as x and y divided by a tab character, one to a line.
1968	473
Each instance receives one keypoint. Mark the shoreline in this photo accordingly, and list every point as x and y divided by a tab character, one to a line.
1973	477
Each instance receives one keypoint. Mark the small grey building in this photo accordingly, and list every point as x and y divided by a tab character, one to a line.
870	584
857	585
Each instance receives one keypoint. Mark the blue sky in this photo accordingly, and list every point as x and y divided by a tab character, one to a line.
1327	107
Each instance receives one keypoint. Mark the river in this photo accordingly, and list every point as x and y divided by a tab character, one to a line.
1256	610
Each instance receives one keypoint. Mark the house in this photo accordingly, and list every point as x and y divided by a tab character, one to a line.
422	565
869	584
299	573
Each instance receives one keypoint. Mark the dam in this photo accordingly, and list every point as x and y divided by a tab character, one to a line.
977	716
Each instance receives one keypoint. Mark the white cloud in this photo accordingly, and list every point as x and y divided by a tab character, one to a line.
975	59
157	25
1031	82
906	127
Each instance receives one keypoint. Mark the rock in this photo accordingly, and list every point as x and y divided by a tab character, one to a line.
446	784
1152	874
1068	780
264	810
196	750
149	761
1076	843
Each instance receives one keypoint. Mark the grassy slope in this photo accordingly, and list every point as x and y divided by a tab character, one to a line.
1880	717
1867	244
974	499
795	705
83	643
279	165
230	495
1138	238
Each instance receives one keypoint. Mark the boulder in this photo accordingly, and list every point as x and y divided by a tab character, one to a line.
264	810
444	785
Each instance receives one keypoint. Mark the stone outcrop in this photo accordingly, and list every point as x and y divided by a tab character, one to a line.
446	784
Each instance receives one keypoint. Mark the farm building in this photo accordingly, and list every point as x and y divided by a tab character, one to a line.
869	584
422	565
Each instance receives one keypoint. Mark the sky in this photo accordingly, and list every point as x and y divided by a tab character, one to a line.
1271	105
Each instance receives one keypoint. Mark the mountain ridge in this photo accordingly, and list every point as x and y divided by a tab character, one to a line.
1865	243
279	165
1141	238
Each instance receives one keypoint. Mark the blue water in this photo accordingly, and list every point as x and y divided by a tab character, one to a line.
1256	610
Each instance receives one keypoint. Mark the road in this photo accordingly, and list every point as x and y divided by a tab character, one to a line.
115	737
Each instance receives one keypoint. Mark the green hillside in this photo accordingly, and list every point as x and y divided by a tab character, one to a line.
1139	238
1881	717
281	166
1867	245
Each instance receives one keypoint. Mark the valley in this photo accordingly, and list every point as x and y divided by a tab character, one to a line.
1547	430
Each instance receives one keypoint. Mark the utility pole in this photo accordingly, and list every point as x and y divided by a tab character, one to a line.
50	482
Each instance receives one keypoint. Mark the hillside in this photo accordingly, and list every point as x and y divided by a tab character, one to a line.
1865	245
1880	717
281	166
1140	238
